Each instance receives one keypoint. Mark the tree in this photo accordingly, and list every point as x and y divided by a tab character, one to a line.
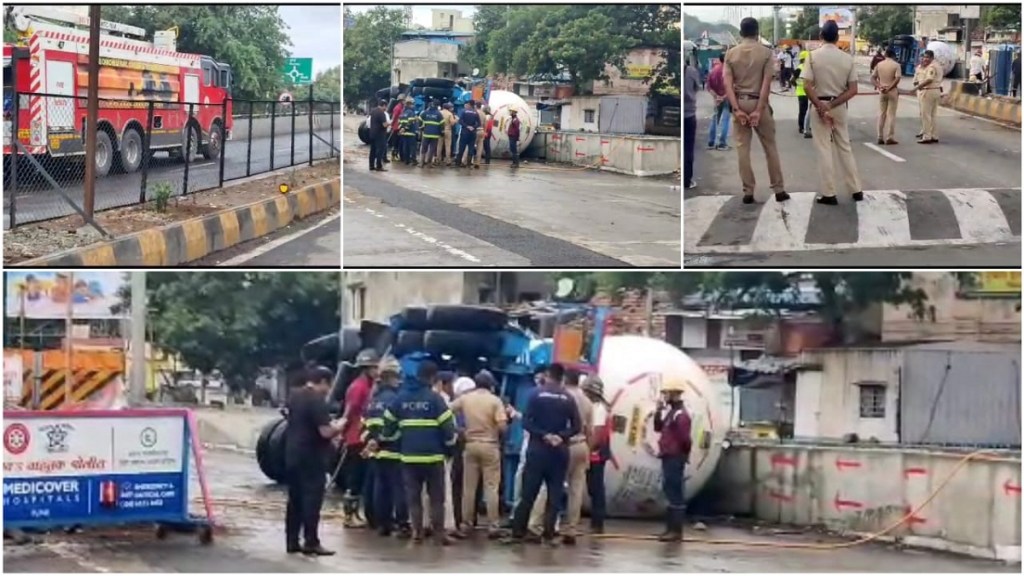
488	19
881	23
1003	16
251	38
766	27
693	27
368	47
805	26
327	85
239	322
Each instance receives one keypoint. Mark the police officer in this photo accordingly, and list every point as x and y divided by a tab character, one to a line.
420	421
672	422
886	77
928	83
748	82
307	441
552	420
470	123
447	122
433	129
600	452
389	495
409	125
830	82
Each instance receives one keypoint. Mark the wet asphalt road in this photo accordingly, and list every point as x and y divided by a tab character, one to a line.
251	541
43	203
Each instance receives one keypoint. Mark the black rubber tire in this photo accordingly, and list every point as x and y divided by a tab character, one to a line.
364	133
270	454
446	83
400	89
414	318
462	344
436	93
417	82
322	350
346	374
466	318
416	91
407	342
351	344
375	335
383	94
105	149
131	140
215	144
186	142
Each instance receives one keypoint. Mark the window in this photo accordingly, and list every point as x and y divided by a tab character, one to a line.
588	116
358	297
872	400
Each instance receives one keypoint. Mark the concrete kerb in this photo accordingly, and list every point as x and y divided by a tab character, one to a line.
995	108
188	240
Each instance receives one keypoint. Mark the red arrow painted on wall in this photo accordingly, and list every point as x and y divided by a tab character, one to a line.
645	148
783	460
780	496
581	139
840	464
914	472
1010	488
840	503
913	518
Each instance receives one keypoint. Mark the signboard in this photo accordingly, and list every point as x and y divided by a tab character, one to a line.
843	16
13	377
998	283
638	71
298	71
45	295
95	467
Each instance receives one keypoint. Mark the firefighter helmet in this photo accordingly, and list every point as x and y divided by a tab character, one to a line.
673	384
389	366
367	358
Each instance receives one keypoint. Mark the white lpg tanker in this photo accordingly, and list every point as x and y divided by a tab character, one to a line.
633	369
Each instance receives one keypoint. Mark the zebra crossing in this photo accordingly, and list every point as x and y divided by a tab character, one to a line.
886	218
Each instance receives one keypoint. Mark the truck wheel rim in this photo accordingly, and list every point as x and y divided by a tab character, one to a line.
131	152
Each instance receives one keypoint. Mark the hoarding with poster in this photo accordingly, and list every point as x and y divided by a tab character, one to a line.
1007	283
46	295
842	15
13	377
100	467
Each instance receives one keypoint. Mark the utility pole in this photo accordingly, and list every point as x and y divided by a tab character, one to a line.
775	25
92	110
69	346
853	31
137	378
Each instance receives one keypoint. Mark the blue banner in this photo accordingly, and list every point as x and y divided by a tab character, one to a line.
78	499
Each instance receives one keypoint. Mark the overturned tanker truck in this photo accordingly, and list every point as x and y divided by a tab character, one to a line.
446	90
514	346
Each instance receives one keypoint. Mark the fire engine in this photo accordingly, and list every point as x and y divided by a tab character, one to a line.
48	68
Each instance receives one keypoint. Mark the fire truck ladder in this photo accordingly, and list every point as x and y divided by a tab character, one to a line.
24	16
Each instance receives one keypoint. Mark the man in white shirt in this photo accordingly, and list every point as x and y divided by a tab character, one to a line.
785	68
977	66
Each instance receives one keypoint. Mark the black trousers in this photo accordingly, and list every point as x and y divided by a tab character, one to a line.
378	150
416	477
305	498
802	115
354	470
545	466
689	139
598	496
389	495
369	492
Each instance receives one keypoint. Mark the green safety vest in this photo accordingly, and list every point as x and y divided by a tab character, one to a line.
800	80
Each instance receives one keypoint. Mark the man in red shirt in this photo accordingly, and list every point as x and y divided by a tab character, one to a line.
357	398
673	423
396	114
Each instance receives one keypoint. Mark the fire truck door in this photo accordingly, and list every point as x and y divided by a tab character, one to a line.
60	79
192	90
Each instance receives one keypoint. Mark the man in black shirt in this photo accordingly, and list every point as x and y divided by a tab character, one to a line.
551	419
378	136
307	441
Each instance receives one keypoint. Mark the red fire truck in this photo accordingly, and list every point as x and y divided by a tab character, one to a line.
49	70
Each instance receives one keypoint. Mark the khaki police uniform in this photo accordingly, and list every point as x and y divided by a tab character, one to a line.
484	416
748	64
576	476
887	73
831	70
448	120
928	98
480	138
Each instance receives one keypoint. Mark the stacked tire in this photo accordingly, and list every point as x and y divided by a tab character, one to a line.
270	450
452	330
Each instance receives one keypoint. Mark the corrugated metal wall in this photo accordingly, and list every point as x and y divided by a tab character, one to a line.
975	401
622	115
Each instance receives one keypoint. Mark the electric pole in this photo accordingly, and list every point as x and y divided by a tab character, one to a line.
137	378
92	111
775	25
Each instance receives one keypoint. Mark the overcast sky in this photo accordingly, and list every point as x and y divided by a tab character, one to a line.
729	14
421	13
315	32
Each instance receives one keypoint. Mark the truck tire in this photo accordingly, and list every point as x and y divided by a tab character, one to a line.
212	149
375	335
436	93
104	153
351	344
131	152
346	374
445	83
414	318
462	344
189	145
416	91
270	454
407	342
415	82
466	318
364	133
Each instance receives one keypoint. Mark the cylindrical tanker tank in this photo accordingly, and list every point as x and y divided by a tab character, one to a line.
500	102
945	56
632	369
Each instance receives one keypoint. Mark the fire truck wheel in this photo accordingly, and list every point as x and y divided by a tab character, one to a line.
192	143
211	151
104	153
131	151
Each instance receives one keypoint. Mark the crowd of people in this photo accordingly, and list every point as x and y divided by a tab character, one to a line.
436	136
422	457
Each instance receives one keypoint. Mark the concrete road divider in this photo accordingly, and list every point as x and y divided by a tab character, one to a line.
188	240
636	155
282	125
999	108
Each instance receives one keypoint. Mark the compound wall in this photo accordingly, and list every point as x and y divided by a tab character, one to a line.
625	154
969	507
282	126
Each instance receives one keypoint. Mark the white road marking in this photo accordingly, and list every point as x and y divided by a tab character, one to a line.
457	252
882	219
698	215
885	153
978	214
243	258
783	225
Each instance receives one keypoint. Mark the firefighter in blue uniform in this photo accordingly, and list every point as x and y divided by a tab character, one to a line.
408	126
420	421
390	512
433	128
551	419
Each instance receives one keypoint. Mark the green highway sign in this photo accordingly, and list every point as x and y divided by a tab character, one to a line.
298	71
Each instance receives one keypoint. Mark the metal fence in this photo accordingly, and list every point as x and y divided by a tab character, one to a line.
150	149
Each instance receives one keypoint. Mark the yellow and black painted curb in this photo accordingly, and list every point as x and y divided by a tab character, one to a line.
1003	110
188	240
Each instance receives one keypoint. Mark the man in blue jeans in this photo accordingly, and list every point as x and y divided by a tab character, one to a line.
723	112
672	422
691	84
